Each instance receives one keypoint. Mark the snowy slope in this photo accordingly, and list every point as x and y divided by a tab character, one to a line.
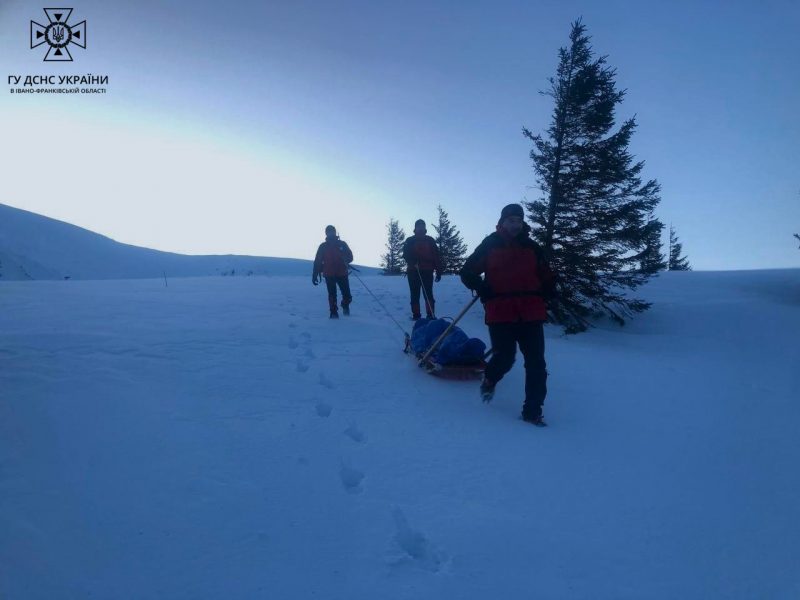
36	247
221	437
21	268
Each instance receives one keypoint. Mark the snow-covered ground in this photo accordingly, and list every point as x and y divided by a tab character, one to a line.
222	438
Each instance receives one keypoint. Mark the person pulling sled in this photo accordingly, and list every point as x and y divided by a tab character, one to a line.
517	281
422	258
332	260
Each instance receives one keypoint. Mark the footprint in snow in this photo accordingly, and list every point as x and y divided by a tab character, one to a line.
302	366
323	409
414	546
325	382
355	434
351	479
293	343
309	353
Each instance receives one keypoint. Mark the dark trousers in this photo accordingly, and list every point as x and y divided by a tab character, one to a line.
530	337
414	286
344	284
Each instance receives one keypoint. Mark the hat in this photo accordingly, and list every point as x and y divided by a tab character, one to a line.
512	210
419	224
330	230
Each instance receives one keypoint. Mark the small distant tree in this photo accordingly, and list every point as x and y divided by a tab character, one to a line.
392	261
652	259
798	237
452	249
676	261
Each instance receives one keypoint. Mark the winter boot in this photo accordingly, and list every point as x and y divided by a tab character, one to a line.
334	314
346	310
415	314
534	420
533	415
487	390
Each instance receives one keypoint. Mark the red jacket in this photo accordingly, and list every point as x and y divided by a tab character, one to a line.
333	256
421	251
517	276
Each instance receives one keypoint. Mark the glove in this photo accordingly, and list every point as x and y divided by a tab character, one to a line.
315	279
485	292
438	277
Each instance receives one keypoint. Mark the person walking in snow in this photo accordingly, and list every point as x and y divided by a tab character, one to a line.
517	281
422	258
332	260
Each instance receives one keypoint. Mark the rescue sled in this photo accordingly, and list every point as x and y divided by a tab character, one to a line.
451	354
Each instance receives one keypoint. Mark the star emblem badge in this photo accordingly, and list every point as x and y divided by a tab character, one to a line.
58	34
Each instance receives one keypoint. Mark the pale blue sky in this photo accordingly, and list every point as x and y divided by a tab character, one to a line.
246	127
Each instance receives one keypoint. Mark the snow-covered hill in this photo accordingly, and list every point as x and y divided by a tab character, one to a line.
222	438
36	247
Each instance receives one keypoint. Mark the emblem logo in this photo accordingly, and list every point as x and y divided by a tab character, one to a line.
58	34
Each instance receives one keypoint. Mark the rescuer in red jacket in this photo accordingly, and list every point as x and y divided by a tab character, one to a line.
422	258
332	260
516	283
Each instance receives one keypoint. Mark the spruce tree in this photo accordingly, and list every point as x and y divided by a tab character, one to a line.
652	259
452	249
798	237
594	219
676	261
392	261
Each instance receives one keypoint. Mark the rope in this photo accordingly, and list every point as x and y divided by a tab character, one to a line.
405	333
428	303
